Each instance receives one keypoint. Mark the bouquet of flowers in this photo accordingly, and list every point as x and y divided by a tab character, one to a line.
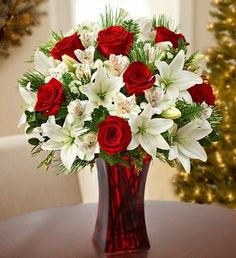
121	89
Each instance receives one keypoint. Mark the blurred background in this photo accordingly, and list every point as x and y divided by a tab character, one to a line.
23	188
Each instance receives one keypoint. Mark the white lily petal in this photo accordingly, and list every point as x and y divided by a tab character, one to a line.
185	161
134	142
52	145
163	68
148	142
68	155
193	150
161	143
186	80
177	64
173	91
22	120
147	112
100	75
159	125
173	153
42	62
185	95
53	131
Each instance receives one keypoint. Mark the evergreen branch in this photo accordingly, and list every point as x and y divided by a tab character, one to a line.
163	21
132	26
111	18
35	79
189	112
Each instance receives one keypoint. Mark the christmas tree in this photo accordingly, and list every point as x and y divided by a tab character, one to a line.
215	180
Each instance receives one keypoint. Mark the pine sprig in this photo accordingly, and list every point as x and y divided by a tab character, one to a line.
47	46
35	79
132	26
163	21
111	18
189	112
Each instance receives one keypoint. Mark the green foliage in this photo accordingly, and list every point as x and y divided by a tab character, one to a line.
216	118
132	26
162	155
163	21
67	80
113	159
35	79
111	18
99	114
46	163
34	119
34	141
189	112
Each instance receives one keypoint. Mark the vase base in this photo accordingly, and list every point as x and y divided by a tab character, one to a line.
100	248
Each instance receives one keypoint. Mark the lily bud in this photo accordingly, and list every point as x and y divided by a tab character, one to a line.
69	62
171	113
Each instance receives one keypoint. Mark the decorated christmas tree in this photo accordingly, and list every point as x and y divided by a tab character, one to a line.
215	180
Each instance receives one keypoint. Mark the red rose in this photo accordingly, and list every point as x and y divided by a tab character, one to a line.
202	93
49	97
114	135
138	78
67	46
164	34
114	40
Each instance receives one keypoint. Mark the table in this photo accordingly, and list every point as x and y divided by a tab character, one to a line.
175	229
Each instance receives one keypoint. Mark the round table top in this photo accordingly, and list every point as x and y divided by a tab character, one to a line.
175	229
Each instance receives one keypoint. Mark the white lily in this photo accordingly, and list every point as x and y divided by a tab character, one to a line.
124	106
116	64
147	132
186	146
42	62
30	99
103	89
174	79
157	99
63	139
87	146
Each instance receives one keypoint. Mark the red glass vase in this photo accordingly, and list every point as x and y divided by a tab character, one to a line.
120	225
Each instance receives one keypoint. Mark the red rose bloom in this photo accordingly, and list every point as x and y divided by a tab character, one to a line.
114	135
138	78
202	93
49	97
164	34
67	46
114	40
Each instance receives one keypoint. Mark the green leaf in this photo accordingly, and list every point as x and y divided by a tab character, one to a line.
132	26
163	21
33	141
98	115
35	79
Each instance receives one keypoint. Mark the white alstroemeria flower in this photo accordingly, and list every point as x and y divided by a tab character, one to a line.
63	139
88	32
173	78
83	71
116	64
202	121
153	53
147	132
103	89
185	144
145	26
124	106
79	109
86	56
87	146
157	99
30	99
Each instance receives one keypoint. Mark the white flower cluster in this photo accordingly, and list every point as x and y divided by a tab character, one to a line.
98	81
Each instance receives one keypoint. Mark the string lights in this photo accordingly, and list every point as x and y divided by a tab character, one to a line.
215	180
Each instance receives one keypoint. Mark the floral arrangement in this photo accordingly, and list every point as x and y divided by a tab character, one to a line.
122	90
